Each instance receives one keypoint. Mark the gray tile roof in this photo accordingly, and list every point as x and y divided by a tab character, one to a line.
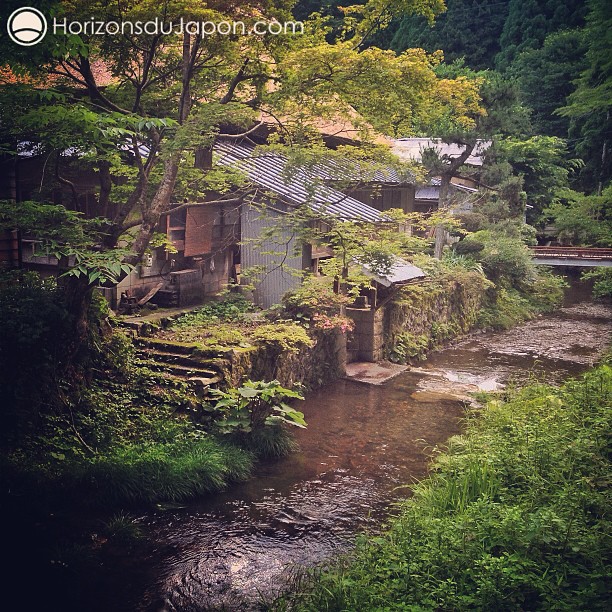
349	170
302	187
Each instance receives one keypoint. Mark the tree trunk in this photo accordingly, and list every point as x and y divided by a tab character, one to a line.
440	232
77	295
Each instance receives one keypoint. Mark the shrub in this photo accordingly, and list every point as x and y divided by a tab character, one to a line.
34	325
231	308
602	277
315	296
282	337
408	346
256	405
504	259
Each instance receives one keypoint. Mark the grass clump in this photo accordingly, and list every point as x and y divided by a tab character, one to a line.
169	472
122	527
128	441
270	442
513	517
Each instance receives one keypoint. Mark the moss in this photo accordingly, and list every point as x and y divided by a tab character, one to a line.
283	337
425	315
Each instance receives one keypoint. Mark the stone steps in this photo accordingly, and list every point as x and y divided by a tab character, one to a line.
181	371
180	361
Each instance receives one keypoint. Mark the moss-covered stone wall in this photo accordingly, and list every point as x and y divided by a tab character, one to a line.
425	315
312	366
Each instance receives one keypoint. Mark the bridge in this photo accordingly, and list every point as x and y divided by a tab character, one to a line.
571	256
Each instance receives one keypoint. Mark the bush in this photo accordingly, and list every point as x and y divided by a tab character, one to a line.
231	308
315	296
505	259
158	472
602	277
409	346
35	325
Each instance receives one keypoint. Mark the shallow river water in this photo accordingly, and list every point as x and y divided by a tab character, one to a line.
362	446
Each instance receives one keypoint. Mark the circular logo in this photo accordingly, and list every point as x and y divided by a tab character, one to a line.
26	26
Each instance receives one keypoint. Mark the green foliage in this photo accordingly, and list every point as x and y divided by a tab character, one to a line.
530	21
126	441
544	164
161	472
254	406
582	220
315	296
507	306
503	258
281	337
69	237
35	329
123	528
546	74
513	516
602	285
271	442
408	346
453	259
450	32
231	308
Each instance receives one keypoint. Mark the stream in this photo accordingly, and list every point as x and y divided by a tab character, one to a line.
363	446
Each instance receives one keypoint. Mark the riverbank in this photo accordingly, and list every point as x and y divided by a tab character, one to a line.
361	447
513	515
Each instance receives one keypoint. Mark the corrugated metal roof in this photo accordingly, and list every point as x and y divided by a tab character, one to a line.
268	170
429	192
333	169
401	272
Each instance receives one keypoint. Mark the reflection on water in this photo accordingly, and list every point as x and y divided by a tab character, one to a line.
362	445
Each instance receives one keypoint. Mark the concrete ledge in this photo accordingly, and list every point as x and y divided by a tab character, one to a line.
373	373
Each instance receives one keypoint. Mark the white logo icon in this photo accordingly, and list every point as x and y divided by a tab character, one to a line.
26	26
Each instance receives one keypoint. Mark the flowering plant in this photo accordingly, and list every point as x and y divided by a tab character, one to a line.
322	321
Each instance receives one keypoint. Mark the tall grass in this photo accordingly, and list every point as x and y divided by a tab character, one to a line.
158	472
513	517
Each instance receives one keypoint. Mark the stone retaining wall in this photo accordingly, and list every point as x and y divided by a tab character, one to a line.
422	316
312	366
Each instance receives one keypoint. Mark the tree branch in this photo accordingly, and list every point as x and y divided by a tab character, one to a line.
238	78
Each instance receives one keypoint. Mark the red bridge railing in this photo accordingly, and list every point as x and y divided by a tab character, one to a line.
571	252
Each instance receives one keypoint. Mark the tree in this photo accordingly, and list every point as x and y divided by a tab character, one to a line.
453	32
167	98
543	163
545	76
502	114
590	104
530	21
582	220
